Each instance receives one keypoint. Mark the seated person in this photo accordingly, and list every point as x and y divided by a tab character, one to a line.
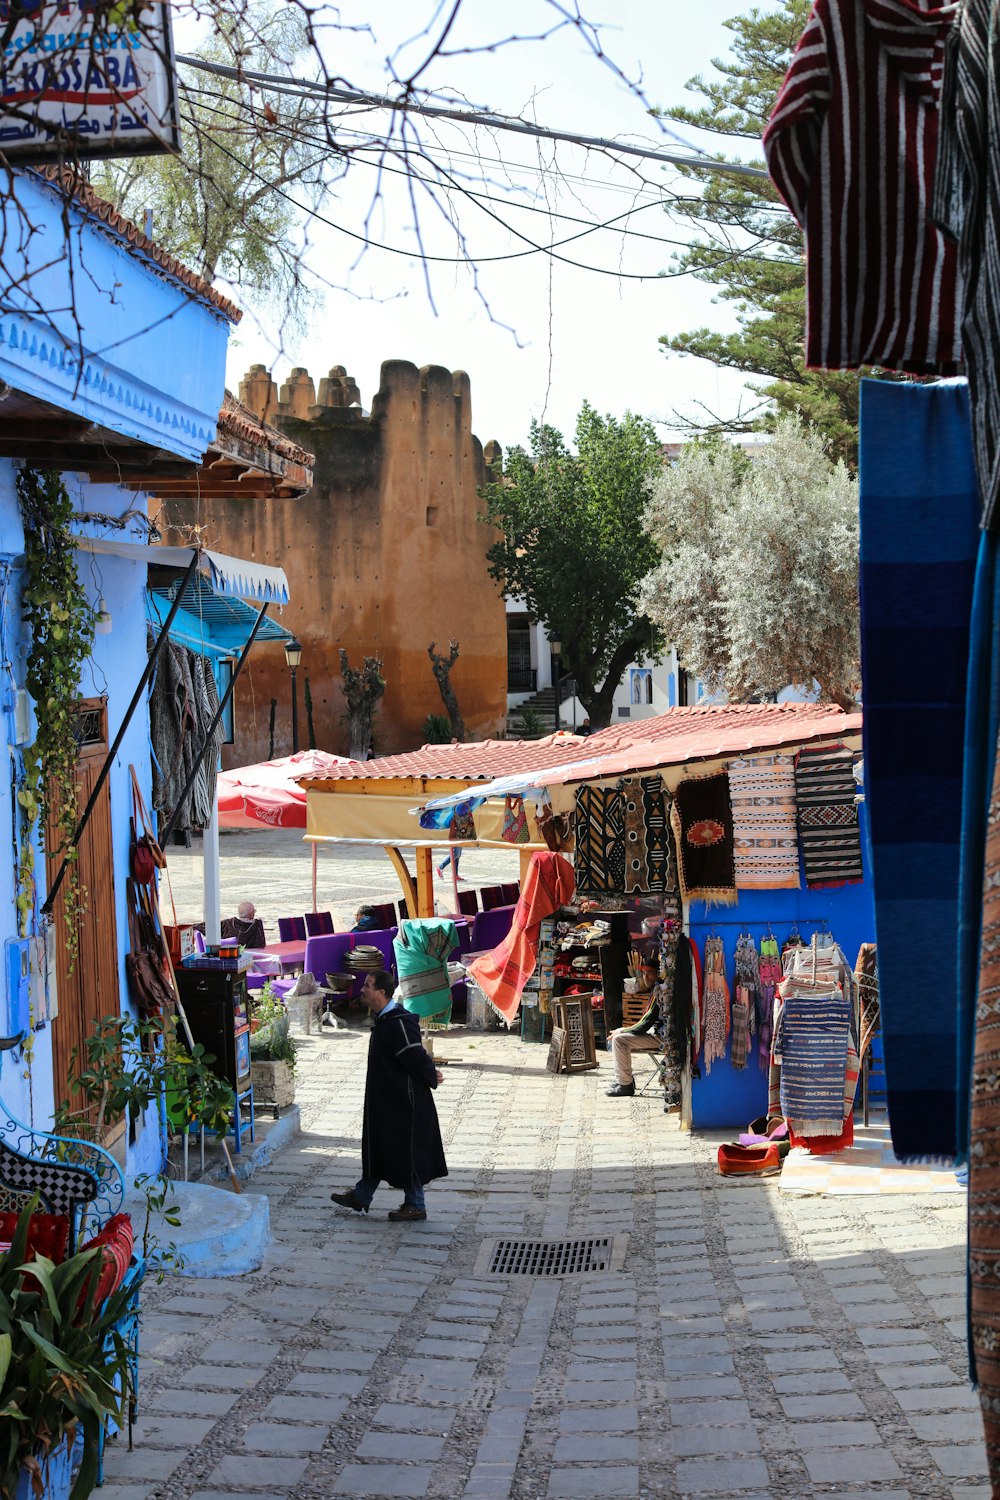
246	927
645	1036
366	919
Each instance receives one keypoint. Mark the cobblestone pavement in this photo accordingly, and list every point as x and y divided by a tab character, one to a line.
273	868
754	1344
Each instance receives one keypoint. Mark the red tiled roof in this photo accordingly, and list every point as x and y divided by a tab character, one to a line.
482	760
239	419
79	188
719	732
679	735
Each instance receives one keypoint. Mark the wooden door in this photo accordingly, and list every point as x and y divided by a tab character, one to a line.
91	991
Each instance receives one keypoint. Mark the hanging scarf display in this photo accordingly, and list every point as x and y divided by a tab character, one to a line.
828	816
765	838
702	821
747	993
770	976
675	1016
740	1019
715	1013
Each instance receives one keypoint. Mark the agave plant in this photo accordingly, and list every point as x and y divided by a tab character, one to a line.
64	1366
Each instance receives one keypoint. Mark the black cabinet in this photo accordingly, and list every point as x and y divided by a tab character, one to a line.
215	1003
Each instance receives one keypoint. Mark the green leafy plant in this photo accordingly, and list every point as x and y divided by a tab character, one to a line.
437	730
128	1064
529	724
60	623
160	1258
271	1041
64	1367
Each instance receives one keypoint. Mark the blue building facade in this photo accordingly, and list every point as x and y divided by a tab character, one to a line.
112	359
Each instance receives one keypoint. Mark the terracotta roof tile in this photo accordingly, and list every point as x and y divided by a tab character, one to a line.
239	419
79	188
482	760
679	735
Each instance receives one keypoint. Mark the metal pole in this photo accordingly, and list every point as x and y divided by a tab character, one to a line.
295	713
210	875
555	683
123	726
217	719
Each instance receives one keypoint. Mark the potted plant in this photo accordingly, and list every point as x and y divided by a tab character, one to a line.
272	1052
64	1370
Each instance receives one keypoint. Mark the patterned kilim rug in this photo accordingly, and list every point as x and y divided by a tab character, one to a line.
919	539
765	840
702	821
825	795
984	1157
621	838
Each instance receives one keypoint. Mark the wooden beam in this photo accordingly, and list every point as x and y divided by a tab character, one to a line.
525	862
406	880
425	882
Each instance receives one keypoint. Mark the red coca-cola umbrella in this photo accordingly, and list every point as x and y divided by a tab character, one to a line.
269	796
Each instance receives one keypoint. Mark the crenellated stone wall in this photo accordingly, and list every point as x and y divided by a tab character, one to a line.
383	555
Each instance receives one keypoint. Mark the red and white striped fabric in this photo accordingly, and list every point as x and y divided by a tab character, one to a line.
851	147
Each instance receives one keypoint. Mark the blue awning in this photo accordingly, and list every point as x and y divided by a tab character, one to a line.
207	622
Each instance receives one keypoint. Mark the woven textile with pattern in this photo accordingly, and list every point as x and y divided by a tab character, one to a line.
828	816
765	837
702	821
812	1044
715	1003
622	845
984	1157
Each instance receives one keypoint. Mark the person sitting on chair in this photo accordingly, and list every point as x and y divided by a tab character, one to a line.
246	927
645	1036
366	919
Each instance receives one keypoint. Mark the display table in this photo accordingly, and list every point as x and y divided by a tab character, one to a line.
291	955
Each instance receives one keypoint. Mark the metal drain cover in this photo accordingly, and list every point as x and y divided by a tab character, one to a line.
576	1257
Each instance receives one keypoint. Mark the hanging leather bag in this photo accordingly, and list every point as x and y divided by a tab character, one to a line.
145	856
149	987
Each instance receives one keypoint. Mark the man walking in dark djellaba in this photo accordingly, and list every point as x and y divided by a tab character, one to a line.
400	1138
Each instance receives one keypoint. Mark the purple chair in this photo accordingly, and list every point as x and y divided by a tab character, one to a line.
318	923
325	954
468	903
292	930
511	892
491	896
490	928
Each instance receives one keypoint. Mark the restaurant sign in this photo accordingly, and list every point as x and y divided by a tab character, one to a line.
91	78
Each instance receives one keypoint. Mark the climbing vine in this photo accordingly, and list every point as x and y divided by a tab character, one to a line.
60	623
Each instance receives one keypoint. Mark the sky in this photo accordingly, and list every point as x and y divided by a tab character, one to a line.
536	337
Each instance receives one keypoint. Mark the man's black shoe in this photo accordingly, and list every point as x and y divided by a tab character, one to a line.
348	1200
620	1091
406	1213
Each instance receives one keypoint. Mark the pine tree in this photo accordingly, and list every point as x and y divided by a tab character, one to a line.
750	248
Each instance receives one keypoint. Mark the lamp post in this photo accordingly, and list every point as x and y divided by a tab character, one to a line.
293	655
555	646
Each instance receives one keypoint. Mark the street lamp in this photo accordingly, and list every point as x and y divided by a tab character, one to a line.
555	646
293	655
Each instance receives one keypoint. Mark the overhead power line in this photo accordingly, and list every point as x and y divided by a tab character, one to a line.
303	87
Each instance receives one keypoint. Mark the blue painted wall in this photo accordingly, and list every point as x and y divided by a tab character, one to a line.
727	1098
153	354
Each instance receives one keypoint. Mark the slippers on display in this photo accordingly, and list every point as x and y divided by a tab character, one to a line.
752	1161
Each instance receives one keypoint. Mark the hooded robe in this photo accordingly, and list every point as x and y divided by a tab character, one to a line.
400	1138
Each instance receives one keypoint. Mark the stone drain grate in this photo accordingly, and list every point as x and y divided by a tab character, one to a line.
573	1257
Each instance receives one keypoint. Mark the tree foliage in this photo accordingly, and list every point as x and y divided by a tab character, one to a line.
758	582
751	250
223	205
573	547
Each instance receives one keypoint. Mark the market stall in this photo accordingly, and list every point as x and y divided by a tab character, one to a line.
735	829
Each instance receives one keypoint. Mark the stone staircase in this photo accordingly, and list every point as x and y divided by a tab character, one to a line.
544	703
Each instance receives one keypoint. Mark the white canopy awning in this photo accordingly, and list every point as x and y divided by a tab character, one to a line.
234	576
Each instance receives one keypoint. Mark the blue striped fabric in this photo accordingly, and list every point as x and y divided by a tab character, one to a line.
813	1062
919	540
